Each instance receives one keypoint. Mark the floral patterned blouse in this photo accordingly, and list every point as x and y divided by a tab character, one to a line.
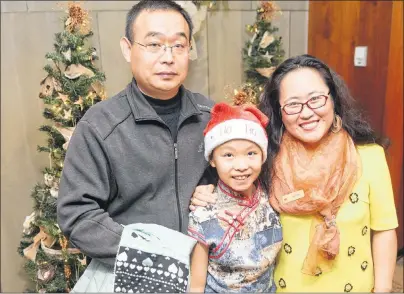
244	237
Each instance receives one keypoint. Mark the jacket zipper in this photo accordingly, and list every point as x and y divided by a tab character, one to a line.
176	165
176	170
176	186
176	173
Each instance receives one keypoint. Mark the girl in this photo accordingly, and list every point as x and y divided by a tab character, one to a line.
240	236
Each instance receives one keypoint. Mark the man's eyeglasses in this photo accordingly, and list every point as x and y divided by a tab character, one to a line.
157	48
313	103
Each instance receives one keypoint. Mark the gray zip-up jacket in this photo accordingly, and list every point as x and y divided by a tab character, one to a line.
123	166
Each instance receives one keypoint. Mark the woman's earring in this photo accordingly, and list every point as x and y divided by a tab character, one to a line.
336	124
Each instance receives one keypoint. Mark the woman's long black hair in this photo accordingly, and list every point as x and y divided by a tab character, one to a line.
344	105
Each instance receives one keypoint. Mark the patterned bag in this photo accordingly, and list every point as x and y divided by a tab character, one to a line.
152	259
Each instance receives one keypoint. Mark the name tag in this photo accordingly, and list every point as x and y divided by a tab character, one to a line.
292	196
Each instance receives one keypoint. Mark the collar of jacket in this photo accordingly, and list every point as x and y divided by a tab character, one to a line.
142	110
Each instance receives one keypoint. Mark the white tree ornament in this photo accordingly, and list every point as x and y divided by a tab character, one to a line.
27	223
266	40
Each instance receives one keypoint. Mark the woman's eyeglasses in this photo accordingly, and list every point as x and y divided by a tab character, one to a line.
313	103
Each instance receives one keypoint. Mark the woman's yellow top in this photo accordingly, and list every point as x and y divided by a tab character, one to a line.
370	206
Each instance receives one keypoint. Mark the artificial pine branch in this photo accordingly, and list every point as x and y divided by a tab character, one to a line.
51	72
43	149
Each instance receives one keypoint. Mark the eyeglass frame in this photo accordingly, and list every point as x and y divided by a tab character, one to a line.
307	104
164	48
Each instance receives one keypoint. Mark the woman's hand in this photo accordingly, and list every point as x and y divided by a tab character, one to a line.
202	196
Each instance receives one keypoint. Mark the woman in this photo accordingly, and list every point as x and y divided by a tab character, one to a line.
330	183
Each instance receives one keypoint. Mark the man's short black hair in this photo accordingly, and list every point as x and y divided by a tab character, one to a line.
153	5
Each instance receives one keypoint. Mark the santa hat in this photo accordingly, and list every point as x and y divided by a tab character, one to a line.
235	122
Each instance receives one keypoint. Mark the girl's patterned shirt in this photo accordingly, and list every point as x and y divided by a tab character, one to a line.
244	237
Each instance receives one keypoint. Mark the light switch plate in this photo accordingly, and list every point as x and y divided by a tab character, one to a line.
361	56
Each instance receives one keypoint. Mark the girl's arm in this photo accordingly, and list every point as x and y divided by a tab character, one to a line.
199	267
384	247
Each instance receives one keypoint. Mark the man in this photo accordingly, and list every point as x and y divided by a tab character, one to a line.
138	156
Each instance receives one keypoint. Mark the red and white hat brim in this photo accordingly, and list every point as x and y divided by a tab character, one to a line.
236	129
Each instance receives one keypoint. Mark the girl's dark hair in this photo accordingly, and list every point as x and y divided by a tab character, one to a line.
344	105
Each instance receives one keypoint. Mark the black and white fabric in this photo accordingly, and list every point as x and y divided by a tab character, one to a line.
143	272
152	259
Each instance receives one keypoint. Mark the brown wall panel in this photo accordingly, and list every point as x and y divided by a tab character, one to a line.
393	111
335	29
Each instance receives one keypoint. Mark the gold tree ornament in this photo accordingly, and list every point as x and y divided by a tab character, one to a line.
63	97
93	95
266	40
240	97
66	133
56	109
97	87
245	95
78	19
268	56
67	271
73	71
80	102
67	114
99	90
267	10
266	71
47	87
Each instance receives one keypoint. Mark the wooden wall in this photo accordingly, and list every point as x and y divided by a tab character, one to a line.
393	110
335	29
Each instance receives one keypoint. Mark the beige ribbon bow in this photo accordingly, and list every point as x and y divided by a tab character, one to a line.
31	251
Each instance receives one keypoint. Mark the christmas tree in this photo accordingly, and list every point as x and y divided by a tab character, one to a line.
261	54
71	86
